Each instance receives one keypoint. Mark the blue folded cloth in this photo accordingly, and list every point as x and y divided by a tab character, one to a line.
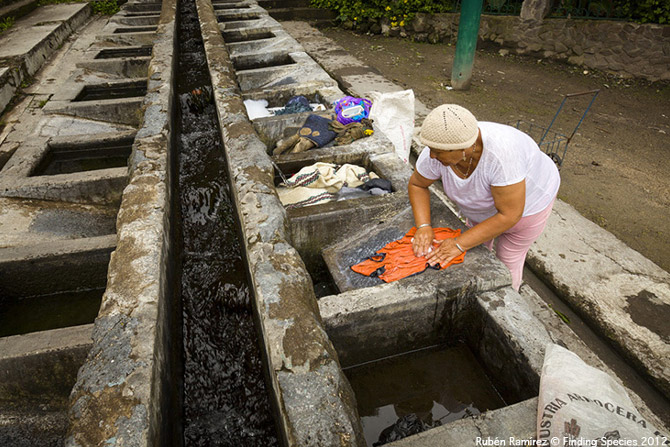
317	131
297	104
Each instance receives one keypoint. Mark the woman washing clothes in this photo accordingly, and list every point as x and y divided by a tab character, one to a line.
497	176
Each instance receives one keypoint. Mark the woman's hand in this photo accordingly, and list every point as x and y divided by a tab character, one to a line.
444	253
423	239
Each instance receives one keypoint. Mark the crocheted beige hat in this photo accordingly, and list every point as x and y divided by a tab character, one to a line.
449	127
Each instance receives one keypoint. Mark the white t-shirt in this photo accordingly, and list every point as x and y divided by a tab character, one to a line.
509	156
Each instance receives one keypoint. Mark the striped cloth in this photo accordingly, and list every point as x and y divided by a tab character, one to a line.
319	183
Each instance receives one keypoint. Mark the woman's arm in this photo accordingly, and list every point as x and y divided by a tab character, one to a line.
509	200
419	198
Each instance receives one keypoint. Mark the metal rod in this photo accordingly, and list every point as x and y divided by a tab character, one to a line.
281	174
595	93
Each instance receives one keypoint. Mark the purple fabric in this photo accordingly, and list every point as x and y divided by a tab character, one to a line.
347	102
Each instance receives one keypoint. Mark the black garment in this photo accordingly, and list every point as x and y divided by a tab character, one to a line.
380	183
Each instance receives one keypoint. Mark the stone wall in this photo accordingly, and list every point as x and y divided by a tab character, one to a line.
623	48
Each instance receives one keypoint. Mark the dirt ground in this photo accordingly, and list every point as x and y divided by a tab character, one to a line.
616	171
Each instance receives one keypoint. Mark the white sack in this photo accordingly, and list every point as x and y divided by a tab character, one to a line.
582	406
393	114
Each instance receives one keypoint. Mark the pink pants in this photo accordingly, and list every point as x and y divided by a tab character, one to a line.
512	246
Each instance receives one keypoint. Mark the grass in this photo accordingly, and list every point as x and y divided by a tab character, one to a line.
6	23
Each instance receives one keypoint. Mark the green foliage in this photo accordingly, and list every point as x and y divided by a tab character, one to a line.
560	314
401	12
6	23
645	11
105	7
398	12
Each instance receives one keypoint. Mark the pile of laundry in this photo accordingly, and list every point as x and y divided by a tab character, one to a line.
349	122
325	182
258	108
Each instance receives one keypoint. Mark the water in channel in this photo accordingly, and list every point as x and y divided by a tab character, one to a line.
225	401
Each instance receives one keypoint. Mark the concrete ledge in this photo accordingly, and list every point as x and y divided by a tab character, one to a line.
27	222
121	393
135	21
281	40
42	365
129	39
63	265
122	111
101	186
304	71
128	67
96	186
623	295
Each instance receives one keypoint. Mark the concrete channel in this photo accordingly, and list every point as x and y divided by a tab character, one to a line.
94	191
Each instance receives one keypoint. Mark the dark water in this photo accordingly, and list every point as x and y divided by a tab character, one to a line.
225	399
45	312
438	385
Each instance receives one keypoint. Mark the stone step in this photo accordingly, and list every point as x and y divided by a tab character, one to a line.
68	264
32	40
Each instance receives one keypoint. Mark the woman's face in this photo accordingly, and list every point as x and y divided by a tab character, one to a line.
447	158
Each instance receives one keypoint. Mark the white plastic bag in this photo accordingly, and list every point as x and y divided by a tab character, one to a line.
582	406
393	114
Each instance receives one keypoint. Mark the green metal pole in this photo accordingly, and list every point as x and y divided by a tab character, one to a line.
468	29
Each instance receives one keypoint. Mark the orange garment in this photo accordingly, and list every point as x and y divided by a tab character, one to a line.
397	260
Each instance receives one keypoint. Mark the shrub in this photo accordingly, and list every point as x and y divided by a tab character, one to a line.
398	12
6	23
645	11
105	7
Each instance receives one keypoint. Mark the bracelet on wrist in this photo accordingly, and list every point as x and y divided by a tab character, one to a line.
459	247
423	225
